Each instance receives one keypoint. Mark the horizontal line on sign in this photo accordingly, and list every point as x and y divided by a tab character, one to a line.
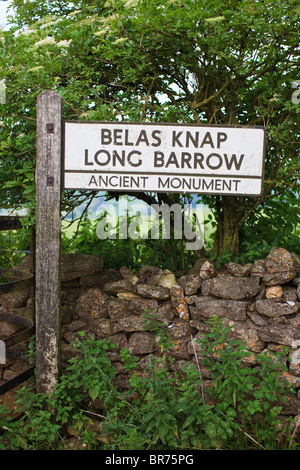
164	124
192	175
130	190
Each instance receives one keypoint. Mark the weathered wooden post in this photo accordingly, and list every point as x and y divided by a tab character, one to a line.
48	231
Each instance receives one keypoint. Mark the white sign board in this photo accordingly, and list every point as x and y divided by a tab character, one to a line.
126	157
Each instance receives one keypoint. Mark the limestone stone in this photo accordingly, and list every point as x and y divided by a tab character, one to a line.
92	304
179	302
145	362
200	326
15	369
67	351
75	265
113	356
290	407
77	325
257	319
121	382
102	327
294	365
274	292
141	343
237	269
166	311
274	307
167	279
289	293
140	305
153	292
206	286
180	328
281	334
7	329
198	263
297	261
17	299
129	324
67	313
119	368
248	335
296	280
149	275
129	275
118	287
22	270
128	296
259	268
179	349
206	308
119	340
231	287
293	320
281	267
70	294
99	279
116	308
207	270
295	369
191	283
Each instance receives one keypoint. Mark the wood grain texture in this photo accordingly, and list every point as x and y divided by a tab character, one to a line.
48	233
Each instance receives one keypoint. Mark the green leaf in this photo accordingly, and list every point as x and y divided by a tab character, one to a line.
210	430
190	419
93	392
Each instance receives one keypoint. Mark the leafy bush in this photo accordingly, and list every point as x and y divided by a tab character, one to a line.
14	245
117	252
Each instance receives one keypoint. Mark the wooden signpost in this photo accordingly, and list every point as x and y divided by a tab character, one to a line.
48	231
123	156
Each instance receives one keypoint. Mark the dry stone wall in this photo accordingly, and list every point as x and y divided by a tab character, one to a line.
259	301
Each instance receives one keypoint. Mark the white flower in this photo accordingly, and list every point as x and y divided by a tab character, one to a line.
74	12
63	43
103	31
120	40
275	97
34	69
28	32
2	92
47	40
130	2
50	23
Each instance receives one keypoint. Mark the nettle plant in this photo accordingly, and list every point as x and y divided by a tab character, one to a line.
241	407
246	390
163	408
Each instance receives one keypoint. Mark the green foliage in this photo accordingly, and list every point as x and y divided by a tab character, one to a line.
220	260
115	252
243	393
175	413
43	418
164	408
161	61
14	245
277	224
132	252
